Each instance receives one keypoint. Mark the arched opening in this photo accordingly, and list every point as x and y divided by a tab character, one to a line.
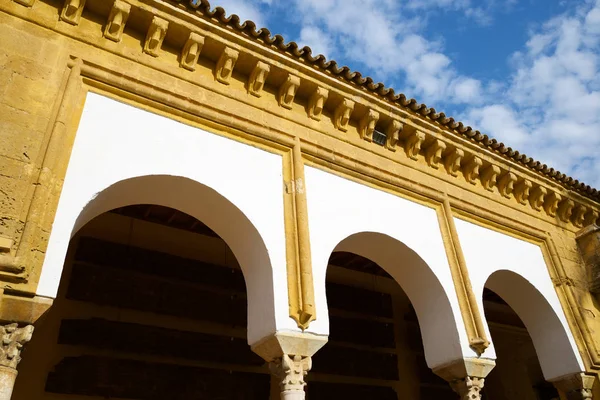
190	197
531	343
152	303
383	337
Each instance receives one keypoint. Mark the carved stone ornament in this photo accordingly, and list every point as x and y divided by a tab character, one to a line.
117	20
551	203
342	114
13	340
316	103
287	91
506	184
155	36
393	134
71	11
224	67
591	217
191	51
522	191
565	210
453	160
471	170
468	388
257	79
433	154
466	377
579	216
367	125
290	371
537	197
489	177
576	386
413	144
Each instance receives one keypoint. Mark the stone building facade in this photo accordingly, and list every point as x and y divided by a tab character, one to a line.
191	208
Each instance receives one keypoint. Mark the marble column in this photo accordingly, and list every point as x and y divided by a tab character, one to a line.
13	340
576	386
290	371
466	376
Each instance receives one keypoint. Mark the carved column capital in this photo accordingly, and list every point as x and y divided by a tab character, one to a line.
290	370
468	388
13	340
576	386
466	376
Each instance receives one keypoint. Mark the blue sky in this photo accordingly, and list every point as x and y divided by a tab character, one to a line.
526	72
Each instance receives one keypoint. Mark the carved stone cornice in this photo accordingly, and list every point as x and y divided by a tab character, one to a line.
13	340
290	370
505	161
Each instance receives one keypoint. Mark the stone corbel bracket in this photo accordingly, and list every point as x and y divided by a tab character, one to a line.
341	116
392	134
71	11
537	197
565	210
191	51
316	103
551	202
258	77
287	91
522	191
412	145
489	176
155	36
579	215
453	160
367	125
225	65
506	184
117	19
471	169
434	152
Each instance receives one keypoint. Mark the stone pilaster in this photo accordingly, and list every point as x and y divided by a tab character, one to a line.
576	386
13	339
466	376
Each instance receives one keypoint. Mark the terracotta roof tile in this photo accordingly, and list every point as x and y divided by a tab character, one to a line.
263	34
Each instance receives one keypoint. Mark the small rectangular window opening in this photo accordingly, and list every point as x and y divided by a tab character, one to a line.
379	137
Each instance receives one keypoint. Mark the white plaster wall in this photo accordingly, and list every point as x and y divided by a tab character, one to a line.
391	226
116	142
533	297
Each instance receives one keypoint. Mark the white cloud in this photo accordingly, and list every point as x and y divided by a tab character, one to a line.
318	40
246	10
551	107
